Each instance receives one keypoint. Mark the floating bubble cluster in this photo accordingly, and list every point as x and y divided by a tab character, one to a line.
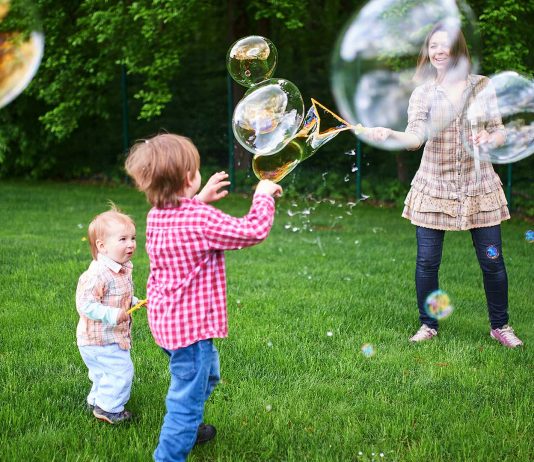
21	48
513	100
438	305
269	121
376	54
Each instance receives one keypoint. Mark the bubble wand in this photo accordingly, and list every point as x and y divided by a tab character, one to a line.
137	306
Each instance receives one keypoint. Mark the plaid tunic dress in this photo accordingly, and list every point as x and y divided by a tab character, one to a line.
447	192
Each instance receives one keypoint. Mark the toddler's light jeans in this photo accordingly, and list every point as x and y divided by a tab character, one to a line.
111	371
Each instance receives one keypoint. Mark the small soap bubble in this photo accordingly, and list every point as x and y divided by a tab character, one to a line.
268	408
492	252
270	344
438	305
251	60
80	225
329	333
84	239
368	350
529	236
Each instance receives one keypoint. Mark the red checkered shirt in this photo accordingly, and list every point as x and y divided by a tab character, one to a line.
186	288
103	290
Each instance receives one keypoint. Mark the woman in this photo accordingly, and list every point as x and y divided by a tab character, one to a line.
453	190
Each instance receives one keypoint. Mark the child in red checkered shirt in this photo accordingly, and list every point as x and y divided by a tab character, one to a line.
103	296
186	290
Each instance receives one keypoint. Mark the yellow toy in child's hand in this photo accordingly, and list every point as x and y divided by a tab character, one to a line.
137	306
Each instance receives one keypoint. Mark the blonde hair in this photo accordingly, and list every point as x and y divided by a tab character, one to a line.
102	224
160	165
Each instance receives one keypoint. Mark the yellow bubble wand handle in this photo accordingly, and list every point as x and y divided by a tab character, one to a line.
137	306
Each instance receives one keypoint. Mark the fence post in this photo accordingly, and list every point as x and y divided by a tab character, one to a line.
509	186
124	98
358	169
231	158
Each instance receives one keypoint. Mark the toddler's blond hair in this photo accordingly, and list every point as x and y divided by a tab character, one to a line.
103	223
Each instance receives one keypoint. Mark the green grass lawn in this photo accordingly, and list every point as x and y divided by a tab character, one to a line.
290	391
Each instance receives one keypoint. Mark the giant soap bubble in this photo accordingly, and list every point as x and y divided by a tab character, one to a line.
268	116
376	55
21	48
251	60
510	98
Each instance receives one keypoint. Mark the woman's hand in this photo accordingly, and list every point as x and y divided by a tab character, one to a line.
212	191
482	137
487	140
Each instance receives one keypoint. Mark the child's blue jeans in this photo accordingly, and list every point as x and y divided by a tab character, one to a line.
195	373
488	247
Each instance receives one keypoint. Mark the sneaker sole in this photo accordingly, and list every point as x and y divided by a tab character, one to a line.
103	418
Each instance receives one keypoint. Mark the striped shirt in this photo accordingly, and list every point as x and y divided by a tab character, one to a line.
447	192
186	288
103	290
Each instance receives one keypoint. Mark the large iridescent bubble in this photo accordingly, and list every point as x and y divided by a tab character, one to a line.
376	55
268	116
510	98
251	60
21	48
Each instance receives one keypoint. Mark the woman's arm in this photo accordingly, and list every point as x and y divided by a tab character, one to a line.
407	141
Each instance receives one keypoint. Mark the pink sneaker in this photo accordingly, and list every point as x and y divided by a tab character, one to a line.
424	333
506	336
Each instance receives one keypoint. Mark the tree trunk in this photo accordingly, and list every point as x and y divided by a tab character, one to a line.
402	168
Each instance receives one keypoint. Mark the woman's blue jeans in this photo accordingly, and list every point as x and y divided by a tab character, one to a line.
194	374
488	247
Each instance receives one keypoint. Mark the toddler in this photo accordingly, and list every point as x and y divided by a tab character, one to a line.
103	296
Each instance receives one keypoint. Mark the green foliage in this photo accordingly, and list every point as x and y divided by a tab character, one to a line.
506	35
69	122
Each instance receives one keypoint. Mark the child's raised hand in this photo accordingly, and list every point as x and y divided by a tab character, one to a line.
212	191
270	188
